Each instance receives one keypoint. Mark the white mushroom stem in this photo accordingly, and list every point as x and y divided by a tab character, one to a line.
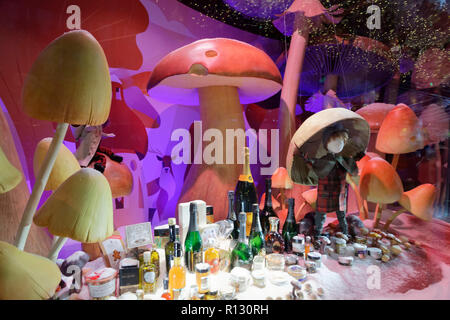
392	218
56	248
39	185
291	80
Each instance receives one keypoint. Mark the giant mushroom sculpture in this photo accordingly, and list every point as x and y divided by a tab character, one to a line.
26	276
419	201
68	83
80	209
297	22
217	74
400	132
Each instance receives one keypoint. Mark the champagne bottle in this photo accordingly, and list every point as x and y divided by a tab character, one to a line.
169	248
246	191
193	242
257	242
267	211
241	256
289	227
232	215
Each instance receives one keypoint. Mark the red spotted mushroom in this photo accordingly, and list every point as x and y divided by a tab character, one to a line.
380	183
400	132
419	201
218	75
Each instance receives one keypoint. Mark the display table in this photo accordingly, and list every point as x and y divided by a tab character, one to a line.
419	273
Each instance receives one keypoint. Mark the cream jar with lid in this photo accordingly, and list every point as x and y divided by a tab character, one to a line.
298	246
240	279
340	245
315	257
102	283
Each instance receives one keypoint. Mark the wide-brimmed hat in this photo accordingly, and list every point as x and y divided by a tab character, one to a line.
308	139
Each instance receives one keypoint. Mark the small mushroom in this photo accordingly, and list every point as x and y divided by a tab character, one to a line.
10	176
282	181
65	163
80	209
400	132
419	201
380	183
25	276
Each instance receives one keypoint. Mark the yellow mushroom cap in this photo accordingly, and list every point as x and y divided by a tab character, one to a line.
9	175
69	82
80	209
65	164
379	182
25	276
419	201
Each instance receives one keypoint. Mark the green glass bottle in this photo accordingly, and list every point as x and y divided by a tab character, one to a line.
245	191
232	215
290	229
267	211
257	243
241	256
169	249
193	243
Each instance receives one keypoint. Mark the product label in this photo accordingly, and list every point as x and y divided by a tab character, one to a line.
103	290
149	277
204	283
298	247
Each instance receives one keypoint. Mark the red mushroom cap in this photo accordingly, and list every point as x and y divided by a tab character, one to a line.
380	182
374	114
400	132
419	201
281	179
214	62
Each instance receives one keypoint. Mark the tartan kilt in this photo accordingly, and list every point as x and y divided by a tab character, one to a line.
329	190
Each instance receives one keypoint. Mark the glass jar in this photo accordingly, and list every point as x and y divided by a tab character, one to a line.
315	257
259	278
259	263
340	245
202	277
275	262
298	245
102	283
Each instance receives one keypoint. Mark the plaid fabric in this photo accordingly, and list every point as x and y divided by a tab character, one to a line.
329	189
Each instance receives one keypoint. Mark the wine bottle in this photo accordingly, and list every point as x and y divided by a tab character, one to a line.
232	215
169	250
246	191
267	211
274	240
289	227
241	256
193	242
257	242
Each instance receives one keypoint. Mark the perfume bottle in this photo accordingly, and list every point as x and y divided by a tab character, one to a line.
274	240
